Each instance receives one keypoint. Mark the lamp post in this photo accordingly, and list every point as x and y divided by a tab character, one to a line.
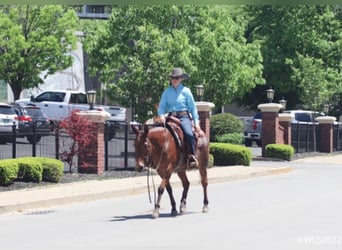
326	109
200	91
91	98
283	102
270	94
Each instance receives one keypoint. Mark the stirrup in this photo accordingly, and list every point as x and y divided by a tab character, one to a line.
192	161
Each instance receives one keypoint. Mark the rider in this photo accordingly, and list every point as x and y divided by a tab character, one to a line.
177	100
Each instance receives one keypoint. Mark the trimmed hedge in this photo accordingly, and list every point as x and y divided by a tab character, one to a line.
279	151
226	154
52	169
35	169
30	170
8	171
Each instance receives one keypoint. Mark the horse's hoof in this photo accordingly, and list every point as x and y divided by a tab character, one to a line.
155	214
174	213
205	209
182	209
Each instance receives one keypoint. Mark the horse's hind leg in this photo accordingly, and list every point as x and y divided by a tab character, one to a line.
204	181
186	184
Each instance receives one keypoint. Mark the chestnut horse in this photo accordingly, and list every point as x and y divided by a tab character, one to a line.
156	147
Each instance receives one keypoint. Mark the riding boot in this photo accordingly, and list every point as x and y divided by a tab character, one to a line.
192	160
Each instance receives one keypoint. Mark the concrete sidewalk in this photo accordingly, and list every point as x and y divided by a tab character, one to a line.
62	194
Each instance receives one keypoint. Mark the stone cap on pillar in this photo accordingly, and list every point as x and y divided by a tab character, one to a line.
326	119
270	107
95	115
204	106
285	117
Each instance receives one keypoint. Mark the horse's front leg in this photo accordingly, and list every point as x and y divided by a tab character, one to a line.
172	200
161	189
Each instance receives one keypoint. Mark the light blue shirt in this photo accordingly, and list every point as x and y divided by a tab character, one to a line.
178	99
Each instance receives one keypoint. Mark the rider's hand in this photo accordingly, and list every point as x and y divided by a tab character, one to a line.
197	128
161	119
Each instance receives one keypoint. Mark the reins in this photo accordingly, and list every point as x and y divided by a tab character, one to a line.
149	165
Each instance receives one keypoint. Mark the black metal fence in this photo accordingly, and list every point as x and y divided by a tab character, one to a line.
305	137
119	151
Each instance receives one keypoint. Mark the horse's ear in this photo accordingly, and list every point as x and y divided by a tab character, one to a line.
135	129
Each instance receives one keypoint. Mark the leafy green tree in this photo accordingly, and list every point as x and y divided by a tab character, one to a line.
34	40
133	53
301	47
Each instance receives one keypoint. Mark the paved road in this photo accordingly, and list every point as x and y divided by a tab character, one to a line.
296	210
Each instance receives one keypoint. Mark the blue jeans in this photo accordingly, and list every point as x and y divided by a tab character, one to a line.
186	126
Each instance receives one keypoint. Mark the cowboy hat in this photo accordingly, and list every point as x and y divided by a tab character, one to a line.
178	72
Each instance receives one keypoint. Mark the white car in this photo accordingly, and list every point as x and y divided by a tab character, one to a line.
117	118
8	118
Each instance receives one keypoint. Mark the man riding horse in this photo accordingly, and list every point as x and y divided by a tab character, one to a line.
177	100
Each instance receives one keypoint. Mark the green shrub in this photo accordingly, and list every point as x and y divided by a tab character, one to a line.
224	123
211	161
279	151
226	154
52	169
33	169
8	171
233	138
30	169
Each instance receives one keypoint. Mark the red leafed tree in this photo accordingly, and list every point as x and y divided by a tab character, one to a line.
81	133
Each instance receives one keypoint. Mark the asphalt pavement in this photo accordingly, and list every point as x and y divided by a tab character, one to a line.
18	201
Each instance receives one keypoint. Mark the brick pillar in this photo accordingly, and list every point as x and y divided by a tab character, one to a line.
204	111
285	126
326	133
270	131
94	162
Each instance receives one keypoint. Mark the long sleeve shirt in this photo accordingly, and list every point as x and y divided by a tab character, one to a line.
178	99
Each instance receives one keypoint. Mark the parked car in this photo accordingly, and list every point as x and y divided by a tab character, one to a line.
8	118
28	117
253	130
303	115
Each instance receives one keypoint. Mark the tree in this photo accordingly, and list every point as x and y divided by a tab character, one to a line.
136	49
34	40
301	47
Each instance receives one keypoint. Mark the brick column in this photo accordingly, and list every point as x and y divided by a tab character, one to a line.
204	112
326	133
285	126
94	162
270	131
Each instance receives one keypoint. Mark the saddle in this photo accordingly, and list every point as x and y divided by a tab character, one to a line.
173	124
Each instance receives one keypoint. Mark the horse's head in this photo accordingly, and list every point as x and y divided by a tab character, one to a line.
141	145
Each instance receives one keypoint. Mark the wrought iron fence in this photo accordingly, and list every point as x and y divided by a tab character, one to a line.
337	137
304	136
119	151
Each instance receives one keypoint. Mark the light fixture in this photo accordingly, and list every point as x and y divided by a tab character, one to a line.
200	91
283	102
91	98
270	94
326	109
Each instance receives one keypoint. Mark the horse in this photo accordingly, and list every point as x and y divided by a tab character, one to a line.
157	147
